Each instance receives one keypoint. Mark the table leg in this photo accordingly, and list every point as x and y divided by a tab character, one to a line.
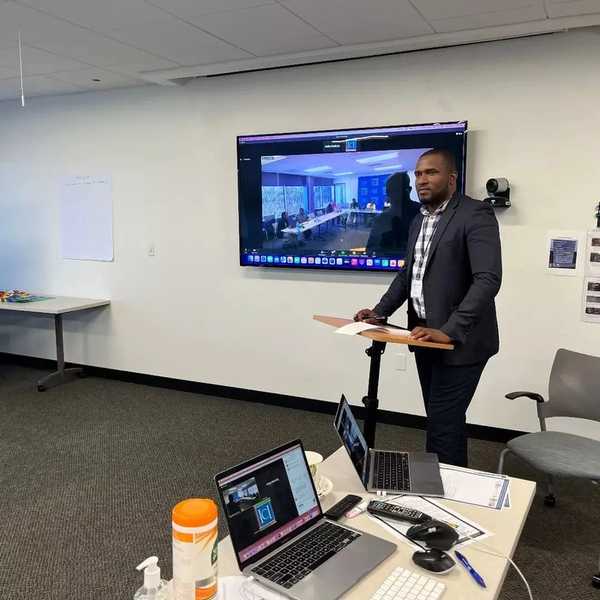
61	375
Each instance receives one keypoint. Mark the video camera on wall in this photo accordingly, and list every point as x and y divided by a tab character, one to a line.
498	189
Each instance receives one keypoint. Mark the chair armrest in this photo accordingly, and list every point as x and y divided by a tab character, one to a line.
532	395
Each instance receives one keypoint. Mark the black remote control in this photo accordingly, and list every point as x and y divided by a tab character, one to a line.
342	507
394	511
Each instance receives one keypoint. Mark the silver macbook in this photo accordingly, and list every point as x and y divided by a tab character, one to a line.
415	473
279	534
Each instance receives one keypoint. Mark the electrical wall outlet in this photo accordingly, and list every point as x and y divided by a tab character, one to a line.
151	249
400	361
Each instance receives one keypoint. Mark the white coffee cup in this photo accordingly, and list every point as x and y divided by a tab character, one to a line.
314	459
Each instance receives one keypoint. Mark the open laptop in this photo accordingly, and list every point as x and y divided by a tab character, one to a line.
279	534
387	471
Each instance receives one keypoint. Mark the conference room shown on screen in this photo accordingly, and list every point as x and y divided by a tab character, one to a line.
335	199
269	503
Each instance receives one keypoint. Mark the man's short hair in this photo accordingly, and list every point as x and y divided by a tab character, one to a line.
447	157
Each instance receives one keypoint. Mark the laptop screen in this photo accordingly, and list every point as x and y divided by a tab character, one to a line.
267	500
347	428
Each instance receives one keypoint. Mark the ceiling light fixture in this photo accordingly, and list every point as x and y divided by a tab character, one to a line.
388	167
377	158
317	169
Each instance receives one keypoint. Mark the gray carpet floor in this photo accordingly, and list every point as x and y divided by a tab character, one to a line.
89	472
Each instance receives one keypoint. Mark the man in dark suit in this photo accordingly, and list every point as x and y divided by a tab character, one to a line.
452	274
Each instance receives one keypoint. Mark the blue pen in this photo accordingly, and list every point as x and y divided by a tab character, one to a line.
467	565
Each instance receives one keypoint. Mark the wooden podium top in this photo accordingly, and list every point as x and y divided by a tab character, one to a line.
381	336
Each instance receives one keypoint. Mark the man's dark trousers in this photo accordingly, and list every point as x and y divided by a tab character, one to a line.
447	393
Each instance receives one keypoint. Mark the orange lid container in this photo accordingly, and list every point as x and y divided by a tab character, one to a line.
194	512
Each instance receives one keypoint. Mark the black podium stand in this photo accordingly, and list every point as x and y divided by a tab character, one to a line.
379	339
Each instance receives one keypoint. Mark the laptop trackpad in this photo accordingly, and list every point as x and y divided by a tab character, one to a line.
425	471
332	579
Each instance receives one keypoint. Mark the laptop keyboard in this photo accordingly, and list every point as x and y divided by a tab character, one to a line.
299	559
391	471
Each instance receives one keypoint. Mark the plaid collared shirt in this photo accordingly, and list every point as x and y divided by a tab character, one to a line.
430	221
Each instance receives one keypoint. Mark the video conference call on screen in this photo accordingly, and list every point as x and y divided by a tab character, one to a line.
335	199
269	503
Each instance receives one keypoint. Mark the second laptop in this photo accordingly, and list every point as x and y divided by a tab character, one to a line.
415	473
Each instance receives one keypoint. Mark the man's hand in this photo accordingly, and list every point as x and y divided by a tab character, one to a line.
368	316
426	334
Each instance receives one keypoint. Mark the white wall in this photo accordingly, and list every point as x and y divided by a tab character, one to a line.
191	312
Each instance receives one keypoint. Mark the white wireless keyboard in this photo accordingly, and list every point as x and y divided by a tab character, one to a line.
403	584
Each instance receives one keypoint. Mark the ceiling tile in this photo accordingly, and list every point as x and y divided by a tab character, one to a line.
572	8
357	21
32	24
38	62
264	30
99	15
100	51
189	9
178	41
6	72
436	9
9	88
491	19
58	36
84	78
35	86
270	47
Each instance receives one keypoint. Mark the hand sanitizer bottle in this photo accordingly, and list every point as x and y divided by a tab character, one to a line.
154	587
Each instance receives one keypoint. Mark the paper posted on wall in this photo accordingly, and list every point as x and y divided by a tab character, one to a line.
86	218
467	530
562	248
592	255
591	300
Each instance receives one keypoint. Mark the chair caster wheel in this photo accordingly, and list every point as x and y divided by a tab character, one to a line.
550	500
596	581
41	388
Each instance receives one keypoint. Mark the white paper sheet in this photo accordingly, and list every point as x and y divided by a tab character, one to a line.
86	219
395	331
468	531
355	328
474	487
359	326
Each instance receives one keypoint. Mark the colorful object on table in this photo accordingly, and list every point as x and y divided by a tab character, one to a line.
19	296
469	568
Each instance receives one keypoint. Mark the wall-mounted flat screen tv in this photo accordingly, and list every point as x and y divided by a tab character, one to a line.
339	199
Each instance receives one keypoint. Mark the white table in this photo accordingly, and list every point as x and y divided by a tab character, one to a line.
316	222
506	526
55	307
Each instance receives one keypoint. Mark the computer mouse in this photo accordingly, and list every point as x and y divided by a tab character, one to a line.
434	534
434	560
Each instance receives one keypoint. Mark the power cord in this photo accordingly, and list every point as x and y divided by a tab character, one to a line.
493	552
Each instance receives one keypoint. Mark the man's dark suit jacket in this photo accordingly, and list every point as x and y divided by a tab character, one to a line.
462	277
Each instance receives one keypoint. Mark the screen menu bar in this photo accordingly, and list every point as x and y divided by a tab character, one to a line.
340	262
